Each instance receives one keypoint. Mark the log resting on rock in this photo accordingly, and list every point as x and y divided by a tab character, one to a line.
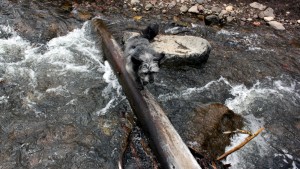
170	149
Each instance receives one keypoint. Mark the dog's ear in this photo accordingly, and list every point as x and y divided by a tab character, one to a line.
160	57
136	60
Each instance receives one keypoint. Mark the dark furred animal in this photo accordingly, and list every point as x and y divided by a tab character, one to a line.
142	62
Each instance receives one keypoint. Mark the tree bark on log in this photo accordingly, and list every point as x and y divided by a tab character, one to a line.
170	149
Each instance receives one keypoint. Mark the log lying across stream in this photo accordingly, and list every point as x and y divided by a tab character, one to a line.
170	149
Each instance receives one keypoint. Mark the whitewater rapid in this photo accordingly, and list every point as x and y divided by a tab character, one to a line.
63	67
71	68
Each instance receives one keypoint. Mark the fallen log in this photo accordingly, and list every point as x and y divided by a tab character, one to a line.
170	149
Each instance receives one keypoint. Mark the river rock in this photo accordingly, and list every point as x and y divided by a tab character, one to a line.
268	19
182	50
229	19
229	8
183	9
200	1
134	2
258	6
208	122
172	4
276	25
216	9
222	13
269	12
298	21
194	9
201	8
211	20
148	6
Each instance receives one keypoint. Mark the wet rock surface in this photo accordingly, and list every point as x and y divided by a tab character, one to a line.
208	122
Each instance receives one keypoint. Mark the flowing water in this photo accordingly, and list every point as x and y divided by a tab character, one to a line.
65	85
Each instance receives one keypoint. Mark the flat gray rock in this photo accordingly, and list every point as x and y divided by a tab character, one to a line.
179	50
182	50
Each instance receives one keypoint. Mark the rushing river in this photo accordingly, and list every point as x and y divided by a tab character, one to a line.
65	85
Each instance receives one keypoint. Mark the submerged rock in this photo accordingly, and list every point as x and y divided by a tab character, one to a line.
208	123
201	126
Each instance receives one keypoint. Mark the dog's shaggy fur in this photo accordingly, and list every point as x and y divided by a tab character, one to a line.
142	62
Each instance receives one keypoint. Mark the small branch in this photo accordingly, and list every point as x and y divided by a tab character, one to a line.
249	138
238	131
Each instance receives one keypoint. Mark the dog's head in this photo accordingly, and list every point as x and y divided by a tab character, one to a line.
148	66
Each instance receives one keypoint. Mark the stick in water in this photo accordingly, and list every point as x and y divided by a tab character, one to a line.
249	138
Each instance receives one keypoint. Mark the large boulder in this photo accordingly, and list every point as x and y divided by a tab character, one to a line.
179	50
182	50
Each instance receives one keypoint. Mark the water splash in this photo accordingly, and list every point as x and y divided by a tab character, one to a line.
188	92
255	105
68	67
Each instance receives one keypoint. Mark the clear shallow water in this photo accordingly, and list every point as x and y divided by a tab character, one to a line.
66	80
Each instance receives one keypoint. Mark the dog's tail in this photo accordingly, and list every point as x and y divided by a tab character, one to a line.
150	32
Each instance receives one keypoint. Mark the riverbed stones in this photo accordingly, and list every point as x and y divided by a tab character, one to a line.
258	6
276	25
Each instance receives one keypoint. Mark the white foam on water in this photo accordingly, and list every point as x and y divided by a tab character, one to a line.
186	93
3	99
60	90
113	85
241	103
105	109
250	41
74	53
226	32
